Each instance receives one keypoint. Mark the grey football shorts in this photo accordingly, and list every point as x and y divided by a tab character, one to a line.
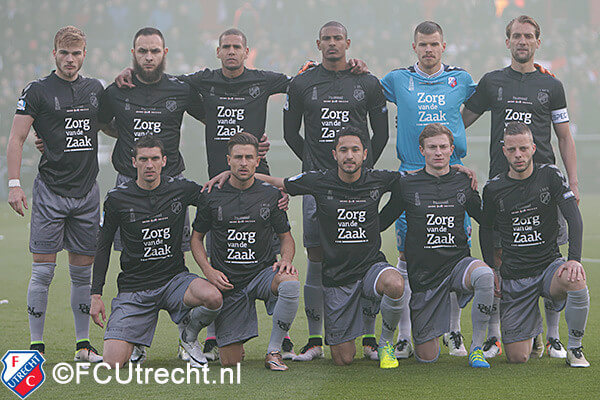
350	310
430	309
59	222
134	315
309	222
520	317
237	321
187	233
562	238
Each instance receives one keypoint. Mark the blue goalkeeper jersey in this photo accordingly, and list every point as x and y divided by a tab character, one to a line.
422	99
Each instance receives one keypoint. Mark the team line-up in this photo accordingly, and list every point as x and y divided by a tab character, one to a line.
241	238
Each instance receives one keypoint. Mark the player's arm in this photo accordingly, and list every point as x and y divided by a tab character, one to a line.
486	224
573	267
109	129
125	78
469	117
292	119
566	145
14	154
393	208
473	205
378	118
214	276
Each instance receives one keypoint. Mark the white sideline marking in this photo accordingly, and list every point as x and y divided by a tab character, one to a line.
592	260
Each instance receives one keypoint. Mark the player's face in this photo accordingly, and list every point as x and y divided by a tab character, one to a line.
69	60
149	163
522	42
437	151
333	43
349	154
243	161
149	57
232	52
429	49
519	150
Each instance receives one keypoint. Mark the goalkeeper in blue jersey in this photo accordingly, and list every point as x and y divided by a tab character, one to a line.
427	92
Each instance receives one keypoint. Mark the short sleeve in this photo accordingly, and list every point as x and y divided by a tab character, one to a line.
106	111
303	183
388	87
558	104
279	219
377	103
30	101
559	188
470	86
277	82
479	102
293	102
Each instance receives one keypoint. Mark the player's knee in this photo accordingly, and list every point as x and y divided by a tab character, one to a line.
393	284
213	299
482	277
517	358
230	357
342	359
114	359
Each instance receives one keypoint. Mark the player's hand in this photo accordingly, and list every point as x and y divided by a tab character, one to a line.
218	279
17	200
497	290
358	67
284	267
284	201
97	309
39	144
263	146
219	180
469	172
125	78
575	189
573	271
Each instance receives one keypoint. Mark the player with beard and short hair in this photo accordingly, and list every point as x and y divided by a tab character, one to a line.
63	109
242	217
358	282
436	199
150	212
329	98
522	206
426	92
526	92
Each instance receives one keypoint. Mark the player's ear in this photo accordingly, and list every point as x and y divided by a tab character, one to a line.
164	161
414	46
133	162
506	41
365	151
318	44
347	44
334	154
228	160
422	150
443	46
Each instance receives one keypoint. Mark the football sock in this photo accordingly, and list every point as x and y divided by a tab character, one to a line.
313	298
391	312
198	318
284	313
494	324
37	298
80	299
576	313
482	280
404	325
454	313
552	319
211	333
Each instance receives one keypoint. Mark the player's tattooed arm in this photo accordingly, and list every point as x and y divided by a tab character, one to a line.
288	249
216	277
14	153
572	215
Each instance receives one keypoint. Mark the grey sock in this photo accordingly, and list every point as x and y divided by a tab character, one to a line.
494	323
37	298
454	313
80	299
391	312
284	313
313	298
482	280
211	331
198	318
404	326
576	313
552	320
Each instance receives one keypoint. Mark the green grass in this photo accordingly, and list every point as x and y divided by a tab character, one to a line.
449	378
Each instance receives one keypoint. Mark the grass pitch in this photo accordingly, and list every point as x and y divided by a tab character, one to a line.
449	378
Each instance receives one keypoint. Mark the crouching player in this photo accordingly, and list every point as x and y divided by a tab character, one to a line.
435	199
242	217
521	205
150	211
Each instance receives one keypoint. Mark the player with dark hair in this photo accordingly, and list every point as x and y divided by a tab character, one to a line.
439	262
151	213
526	92
328	98
522	206
427	92
242	217
63	109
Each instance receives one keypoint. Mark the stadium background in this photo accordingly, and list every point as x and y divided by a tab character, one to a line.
281	36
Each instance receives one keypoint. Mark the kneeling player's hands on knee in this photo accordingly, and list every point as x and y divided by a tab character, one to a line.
218	279
284	201
285	267
263	146
97	310
17	200
572	270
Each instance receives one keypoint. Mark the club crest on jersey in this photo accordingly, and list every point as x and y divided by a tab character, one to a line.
171	105
545	197
359	94
176	207
254	91
543	97
374	194
265	212
461	198
452	81
93	100
23	371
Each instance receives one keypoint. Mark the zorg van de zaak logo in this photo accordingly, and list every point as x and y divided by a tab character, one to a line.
23	371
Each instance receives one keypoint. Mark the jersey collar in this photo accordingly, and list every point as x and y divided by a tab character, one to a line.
427	76
59	79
